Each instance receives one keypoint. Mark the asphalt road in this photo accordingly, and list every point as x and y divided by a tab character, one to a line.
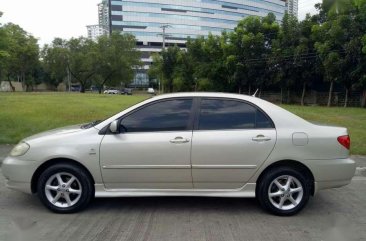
337	214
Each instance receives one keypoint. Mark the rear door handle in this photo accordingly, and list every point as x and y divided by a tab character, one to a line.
179	140
261	138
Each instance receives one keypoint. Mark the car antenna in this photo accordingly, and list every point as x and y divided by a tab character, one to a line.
255	93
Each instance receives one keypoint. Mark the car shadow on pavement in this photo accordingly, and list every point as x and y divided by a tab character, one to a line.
177	203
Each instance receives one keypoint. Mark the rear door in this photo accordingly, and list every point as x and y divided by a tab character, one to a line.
231	139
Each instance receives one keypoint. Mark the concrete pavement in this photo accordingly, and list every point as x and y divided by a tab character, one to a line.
4	151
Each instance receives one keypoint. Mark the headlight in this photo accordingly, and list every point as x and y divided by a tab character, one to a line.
20	149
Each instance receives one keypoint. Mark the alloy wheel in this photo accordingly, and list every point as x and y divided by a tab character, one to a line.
63	190
285	192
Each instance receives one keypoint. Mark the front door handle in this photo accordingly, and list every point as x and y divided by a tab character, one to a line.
179	140
261	138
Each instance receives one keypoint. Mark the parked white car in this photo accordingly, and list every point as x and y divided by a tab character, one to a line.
150	91
188	144
112	92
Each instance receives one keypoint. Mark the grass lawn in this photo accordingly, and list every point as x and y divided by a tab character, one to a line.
24	114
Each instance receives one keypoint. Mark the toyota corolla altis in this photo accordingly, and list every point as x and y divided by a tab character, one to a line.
187	144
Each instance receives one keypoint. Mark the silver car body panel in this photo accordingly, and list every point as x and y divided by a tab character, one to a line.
146	160
170	171
235	149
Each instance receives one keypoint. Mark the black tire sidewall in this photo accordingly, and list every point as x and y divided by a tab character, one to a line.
262	191
86	185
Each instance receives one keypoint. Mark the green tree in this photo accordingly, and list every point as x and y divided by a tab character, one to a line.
23	55
165	65
306	60
286	56
81	64
55	59
251	44
185	74
339	43
4	50
116	58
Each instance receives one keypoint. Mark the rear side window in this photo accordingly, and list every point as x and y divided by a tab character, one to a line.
169	115
220	114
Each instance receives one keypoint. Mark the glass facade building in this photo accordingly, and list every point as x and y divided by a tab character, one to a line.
183	19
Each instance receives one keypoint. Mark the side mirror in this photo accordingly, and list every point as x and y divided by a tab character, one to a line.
113	127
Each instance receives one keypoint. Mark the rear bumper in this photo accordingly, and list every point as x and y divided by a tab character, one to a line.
332	173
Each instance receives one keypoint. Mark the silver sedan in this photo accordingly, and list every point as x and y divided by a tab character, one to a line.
187	144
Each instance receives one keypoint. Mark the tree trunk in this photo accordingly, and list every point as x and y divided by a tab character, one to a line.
288	96
346	98
281	95
10	84
171	86
330	94
303	94
249	89
363	100
82	88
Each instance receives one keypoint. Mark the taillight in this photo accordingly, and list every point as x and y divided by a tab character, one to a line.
345	141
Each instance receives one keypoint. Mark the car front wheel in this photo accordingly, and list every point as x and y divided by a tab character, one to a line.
283	191
65	188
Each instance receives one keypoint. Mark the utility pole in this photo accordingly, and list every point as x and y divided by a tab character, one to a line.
164	27
164	35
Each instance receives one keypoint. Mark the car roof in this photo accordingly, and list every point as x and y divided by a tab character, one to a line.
204	94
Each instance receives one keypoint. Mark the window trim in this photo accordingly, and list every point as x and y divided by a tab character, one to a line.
198	112
189	126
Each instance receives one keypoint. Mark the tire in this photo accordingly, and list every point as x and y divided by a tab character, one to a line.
69	196
293	195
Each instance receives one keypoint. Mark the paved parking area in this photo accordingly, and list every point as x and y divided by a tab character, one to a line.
337	214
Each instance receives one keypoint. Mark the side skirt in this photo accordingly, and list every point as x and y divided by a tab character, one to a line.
247	191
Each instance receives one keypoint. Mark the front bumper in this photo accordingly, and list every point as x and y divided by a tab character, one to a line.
332	173
18	173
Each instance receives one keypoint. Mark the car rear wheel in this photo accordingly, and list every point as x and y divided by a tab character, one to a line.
283	191
65	188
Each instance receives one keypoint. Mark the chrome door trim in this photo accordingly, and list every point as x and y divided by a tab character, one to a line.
147	167
224	166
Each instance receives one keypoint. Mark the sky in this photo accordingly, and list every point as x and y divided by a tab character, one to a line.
47	19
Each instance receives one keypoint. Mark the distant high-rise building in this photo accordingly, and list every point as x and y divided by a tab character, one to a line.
103	14
292	7
103	28
95	31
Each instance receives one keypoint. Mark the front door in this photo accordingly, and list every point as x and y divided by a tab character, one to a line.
153	149
231	140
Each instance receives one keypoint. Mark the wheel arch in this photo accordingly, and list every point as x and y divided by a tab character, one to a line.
293	164
52	162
